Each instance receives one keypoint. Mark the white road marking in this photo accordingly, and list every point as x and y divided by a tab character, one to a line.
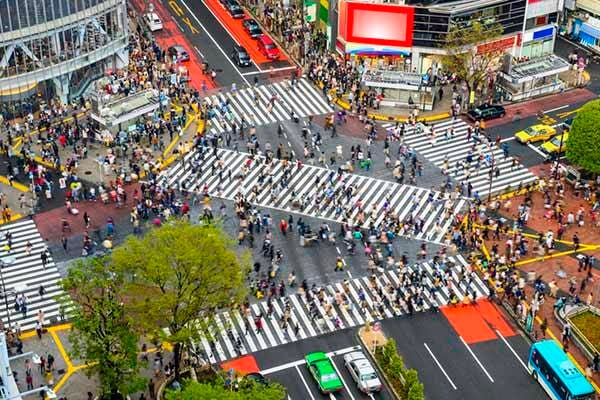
512	350
305	384
213	39
440	366
341	379
199	52
477	359
264	71
301	362
532	147
508	139
556	109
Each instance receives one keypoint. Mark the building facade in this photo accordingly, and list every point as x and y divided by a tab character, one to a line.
54	48
419	28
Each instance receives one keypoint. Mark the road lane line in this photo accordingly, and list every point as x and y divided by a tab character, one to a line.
305	384
341	379
532	147
508	139
512	350
301	362
476	359
199	52
214	40
440	366
556	109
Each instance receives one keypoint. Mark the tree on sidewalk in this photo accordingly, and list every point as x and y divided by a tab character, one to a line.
469	53
248	390
102	334
584	136
179	275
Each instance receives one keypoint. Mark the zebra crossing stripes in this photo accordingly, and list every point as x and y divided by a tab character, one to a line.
218	341
404	200
303	99
26	274
455	148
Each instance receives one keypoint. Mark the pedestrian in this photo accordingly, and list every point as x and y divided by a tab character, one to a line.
151	389
44	258
41	291
38	329
90	396
29	380
544	327
64	242
339	264
596	362
86	220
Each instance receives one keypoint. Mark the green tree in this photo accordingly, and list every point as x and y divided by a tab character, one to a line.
467	57
389	350
416	392
584	136
102	334
411	378
248	390
179	276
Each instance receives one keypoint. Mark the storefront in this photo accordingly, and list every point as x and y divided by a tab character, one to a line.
532	78
400	89
588	32
538	42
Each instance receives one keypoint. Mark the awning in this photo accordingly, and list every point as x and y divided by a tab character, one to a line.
590	30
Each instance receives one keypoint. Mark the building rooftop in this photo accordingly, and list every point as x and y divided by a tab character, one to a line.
537	68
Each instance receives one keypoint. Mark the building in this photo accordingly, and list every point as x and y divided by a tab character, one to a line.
410	36
55	48
582	22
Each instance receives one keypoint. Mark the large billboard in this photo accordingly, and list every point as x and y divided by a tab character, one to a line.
376	24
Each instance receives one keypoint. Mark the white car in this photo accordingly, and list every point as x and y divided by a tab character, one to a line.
362	372
154	22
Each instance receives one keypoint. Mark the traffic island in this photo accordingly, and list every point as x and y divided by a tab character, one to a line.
403	383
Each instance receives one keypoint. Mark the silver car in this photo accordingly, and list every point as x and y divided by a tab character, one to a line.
362	372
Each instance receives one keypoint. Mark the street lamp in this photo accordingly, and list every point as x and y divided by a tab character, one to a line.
4	262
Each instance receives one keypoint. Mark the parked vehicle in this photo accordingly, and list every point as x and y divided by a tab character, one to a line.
252	28
153	21
267	47
234	9
180	52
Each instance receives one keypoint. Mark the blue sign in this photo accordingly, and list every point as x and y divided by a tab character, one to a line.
543	33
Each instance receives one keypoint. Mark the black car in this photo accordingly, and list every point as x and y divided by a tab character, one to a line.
234	9
567	123
486	112
241	56
251	26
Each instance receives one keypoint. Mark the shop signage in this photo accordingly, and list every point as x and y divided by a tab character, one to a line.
543	33
497	45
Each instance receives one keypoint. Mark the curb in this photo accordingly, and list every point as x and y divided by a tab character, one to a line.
377	367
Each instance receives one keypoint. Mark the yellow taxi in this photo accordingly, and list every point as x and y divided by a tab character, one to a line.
554	146
535	133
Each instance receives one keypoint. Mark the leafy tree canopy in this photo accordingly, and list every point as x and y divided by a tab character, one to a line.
248	390
584	137
178	276
102	334
466	57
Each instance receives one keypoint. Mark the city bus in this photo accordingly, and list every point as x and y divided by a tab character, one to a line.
550	366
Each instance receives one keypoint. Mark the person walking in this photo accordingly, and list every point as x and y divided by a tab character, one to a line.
44	258
64	242
339	264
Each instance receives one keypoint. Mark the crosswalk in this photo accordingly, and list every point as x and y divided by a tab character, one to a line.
23	273
434	210
346	304
303	99
450	149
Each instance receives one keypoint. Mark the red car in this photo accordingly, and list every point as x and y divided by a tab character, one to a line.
267	47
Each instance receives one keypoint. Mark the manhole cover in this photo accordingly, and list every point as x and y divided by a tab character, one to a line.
88	172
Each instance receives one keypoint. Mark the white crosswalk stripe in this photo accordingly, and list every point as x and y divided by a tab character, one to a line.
26	274
404	200
343	302
303	99
454	148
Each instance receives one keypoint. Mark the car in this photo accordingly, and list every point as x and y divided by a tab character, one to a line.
234	9
252	28
362	372
179	52
567	123
241	56
486	112
267	47
322	370
535	133
153	21
554	145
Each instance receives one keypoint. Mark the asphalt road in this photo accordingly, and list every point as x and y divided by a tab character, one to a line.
500	375
284	365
